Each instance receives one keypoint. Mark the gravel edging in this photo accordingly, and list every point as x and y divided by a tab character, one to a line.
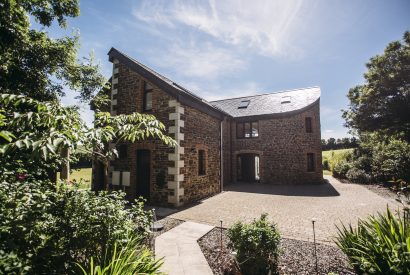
296	258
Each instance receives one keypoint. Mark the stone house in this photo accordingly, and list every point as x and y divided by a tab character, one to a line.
269	138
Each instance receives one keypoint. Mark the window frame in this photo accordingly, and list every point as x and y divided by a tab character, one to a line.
310	128
146	92
242	134
202	162
310	162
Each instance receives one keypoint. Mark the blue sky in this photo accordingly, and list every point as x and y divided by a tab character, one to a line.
221	49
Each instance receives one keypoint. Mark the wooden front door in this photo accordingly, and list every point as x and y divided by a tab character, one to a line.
248	167
143	173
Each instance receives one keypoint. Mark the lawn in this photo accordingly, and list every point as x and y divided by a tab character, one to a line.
332	156
83	174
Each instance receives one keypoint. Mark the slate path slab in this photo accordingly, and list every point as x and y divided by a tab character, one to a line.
180	250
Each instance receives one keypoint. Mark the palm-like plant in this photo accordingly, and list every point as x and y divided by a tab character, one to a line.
127	259
379	245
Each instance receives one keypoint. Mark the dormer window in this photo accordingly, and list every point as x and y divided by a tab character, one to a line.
285	99
244	104
147	97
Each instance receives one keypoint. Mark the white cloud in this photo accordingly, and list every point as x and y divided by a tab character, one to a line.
200	61
266	27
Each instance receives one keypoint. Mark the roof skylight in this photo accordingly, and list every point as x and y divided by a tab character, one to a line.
244	104
285	99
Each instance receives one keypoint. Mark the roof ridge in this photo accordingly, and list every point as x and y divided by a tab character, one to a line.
270	93
161	75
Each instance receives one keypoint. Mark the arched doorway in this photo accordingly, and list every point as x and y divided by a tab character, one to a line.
248	168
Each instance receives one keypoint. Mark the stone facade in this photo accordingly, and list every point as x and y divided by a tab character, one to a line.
282	146
183	184
201	129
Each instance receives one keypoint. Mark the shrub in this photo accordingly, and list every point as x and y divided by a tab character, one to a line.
358	175
391	160
326	165
380	245
126	259
340	169
46	228
256	245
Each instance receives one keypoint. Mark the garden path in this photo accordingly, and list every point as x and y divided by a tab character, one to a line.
181	252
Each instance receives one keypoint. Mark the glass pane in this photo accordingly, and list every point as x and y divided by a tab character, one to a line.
239	130
244	104
148	101
257	176
247	129
255	129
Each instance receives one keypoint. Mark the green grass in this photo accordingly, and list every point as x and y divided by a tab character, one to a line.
78	174
334	156
335	153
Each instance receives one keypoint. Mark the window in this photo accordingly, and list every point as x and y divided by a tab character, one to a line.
122	151
147	97
247	129
201	162
310	162
244	104
308	124
255	129
285	99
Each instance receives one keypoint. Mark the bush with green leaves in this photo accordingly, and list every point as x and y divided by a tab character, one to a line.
358	175
379	244
391	160
125	259
340	169
256	245
46	228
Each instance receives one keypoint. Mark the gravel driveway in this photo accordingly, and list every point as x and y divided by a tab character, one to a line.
291	207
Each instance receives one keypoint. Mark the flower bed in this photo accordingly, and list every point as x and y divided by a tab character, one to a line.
296	256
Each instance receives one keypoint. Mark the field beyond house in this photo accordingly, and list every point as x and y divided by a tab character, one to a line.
82	176
333	156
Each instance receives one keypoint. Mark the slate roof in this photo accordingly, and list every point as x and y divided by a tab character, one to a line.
182	94
267	104
264	104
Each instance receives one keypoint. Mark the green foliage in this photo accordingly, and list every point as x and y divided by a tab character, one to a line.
126	259
256	245
391	160
380	245
382	104
358	175
41	130
335	156
36	65
46	228
340	169
325	164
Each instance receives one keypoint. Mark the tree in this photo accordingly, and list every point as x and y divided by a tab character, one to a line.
41	130
382	104
33	64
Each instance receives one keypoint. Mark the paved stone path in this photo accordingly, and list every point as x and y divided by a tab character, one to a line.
181	252
291	207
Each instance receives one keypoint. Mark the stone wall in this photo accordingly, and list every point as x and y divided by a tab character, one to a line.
201	132
129	99
283	145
